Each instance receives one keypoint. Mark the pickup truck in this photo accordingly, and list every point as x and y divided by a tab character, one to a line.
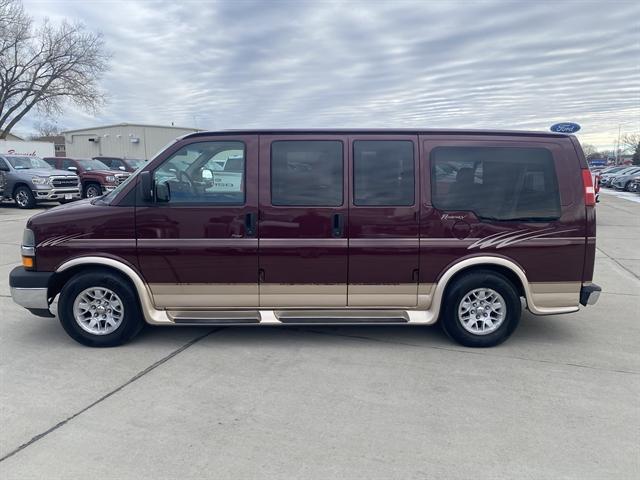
28	180
95	177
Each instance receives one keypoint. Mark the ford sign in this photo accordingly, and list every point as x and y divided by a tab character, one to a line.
565	127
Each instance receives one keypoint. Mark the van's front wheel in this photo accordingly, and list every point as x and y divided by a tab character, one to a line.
482	309
99	309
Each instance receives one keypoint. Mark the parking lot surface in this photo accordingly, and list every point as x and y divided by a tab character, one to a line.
560	399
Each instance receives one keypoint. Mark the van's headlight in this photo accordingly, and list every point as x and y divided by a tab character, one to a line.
110	178
28	249
39	180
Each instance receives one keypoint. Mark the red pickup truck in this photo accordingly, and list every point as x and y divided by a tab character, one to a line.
95	177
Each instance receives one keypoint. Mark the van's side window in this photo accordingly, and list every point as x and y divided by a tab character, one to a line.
496	183
307	173
383	172
206	173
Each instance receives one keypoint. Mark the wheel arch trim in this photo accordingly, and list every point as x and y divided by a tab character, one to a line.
151	314
479	261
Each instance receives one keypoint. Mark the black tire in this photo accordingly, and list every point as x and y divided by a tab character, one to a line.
23	196
465	284
92	190
131	323
627	186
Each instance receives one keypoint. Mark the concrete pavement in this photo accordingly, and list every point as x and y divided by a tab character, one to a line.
557	400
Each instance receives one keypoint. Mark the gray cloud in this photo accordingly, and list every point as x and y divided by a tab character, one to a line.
425	64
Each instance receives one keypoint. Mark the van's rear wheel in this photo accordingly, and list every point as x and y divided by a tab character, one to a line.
481	309
99	309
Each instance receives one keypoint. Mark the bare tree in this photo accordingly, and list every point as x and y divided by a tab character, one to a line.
629	142
42	67
589	150
46	128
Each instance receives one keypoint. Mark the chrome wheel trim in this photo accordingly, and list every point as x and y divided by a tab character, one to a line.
98	310
22	198
482	311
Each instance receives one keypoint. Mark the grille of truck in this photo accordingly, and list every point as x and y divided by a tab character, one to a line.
61	182
121	178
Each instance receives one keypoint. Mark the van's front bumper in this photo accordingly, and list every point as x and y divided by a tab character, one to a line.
30	289
589	294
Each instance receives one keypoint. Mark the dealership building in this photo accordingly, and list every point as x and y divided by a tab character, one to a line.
126	140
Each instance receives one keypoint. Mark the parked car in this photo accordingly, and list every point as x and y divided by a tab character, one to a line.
95	177
622	180
607	178
28	180
121	164
353	227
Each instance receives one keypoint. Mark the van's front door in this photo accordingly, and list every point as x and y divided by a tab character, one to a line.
197	240
303	221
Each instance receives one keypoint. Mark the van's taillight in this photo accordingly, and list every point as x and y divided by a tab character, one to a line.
589	189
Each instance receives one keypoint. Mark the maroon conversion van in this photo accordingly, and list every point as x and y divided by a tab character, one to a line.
324	227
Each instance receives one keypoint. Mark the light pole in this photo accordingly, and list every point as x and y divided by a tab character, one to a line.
618	146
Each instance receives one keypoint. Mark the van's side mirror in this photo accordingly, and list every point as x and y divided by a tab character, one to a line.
163	192
145	185
72	169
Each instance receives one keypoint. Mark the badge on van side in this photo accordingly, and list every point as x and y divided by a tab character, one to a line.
565	127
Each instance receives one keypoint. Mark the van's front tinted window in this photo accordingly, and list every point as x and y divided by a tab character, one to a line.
196	173
496	183
383	173
306	173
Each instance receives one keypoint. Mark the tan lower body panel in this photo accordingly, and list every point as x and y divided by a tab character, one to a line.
406	295
205	295
303	295
239	295
555	294
396	295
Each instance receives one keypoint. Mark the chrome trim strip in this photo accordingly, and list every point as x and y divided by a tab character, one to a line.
36	298
198	242
303	242
391	242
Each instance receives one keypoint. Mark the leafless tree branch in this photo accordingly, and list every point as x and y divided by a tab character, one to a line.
42	67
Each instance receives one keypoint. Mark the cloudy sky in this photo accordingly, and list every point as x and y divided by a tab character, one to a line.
465	64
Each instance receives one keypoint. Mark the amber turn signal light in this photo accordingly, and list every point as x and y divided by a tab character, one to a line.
27	262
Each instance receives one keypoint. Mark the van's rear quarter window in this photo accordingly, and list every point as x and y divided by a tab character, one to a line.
497	183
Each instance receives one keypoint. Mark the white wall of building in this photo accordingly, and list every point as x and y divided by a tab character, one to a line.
33	149
125	140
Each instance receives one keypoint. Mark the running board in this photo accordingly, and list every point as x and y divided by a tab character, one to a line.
297	317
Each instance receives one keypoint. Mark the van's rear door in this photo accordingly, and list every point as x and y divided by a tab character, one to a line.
383	221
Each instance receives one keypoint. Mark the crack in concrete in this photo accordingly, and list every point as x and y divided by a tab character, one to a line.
136	377
617	262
